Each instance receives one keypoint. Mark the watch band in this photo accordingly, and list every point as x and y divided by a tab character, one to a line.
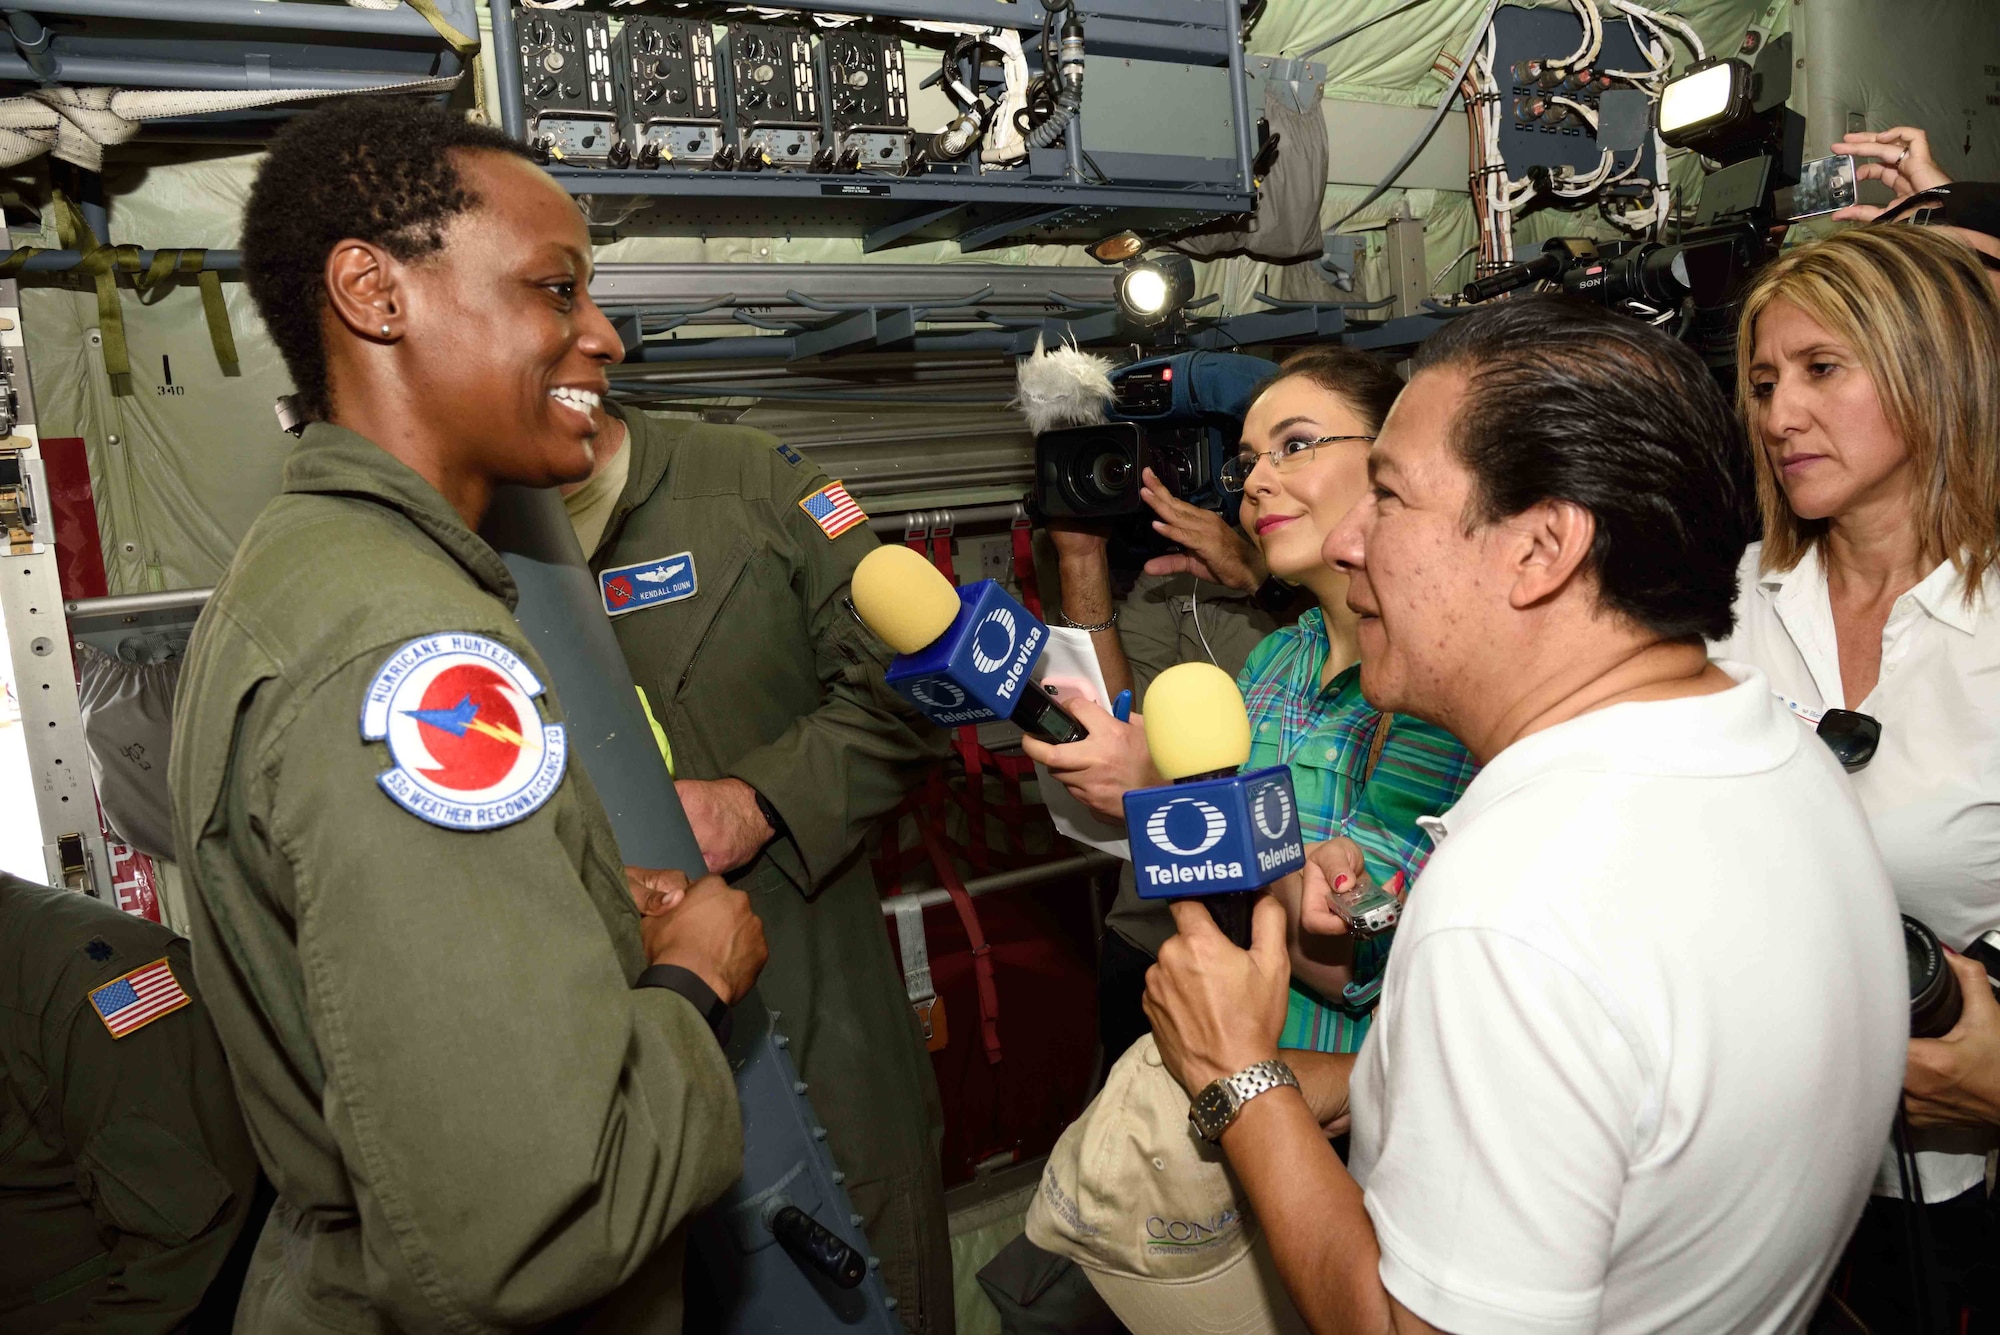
714	1010
770	813
1216	1108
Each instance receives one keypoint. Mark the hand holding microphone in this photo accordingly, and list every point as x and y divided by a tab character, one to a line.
962	655
1209	831
1104	766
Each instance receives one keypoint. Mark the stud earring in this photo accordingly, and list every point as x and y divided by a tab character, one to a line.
385	331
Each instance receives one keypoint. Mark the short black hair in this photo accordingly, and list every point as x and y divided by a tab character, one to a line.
1361	380
377	169
1571	402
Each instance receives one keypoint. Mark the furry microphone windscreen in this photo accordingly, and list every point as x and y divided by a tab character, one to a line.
1062	387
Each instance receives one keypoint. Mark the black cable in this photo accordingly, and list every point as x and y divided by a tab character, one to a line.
1916	1226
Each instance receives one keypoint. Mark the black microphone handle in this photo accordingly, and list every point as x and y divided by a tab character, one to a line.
1232	912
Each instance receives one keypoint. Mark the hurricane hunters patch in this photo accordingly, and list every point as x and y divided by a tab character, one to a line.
633	588
129	1004
790	455
469	750
833	510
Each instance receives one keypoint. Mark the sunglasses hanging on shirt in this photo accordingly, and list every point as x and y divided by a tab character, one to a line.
1852	737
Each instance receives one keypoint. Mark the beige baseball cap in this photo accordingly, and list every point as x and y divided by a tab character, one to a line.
1152	1213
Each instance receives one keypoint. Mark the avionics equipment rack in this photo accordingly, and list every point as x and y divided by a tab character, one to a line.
1162	77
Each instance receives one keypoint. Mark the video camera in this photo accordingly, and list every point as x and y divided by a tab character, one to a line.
1178	415
1727	110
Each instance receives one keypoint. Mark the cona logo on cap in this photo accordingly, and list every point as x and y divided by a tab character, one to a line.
469	750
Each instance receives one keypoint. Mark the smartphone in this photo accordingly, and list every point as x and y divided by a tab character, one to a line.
1825	184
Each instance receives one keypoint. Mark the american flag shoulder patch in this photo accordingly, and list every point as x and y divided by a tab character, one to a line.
142	996
833	510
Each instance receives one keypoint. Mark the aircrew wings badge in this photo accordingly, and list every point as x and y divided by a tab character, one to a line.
833	510
468	748
634	588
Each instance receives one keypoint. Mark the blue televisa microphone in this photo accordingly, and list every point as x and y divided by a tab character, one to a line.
962	655
1209	833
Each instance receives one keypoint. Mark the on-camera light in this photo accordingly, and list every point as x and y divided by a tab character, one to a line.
1151	291
1709	104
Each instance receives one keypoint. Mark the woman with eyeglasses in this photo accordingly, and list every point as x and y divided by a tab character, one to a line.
1358	773
1869	376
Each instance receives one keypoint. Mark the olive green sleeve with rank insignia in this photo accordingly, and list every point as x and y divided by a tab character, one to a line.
126	1175
840	768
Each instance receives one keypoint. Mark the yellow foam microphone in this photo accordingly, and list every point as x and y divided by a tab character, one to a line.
902	598
1213	830
1195	722
963	656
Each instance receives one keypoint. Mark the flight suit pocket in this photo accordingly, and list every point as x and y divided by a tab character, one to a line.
696	625
152	1184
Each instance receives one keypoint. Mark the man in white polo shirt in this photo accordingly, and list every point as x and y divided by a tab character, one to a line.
1641	1037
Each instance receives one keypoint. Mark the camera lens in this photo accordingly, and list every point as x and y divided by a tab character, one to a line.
1934	997
1110	472
1101	473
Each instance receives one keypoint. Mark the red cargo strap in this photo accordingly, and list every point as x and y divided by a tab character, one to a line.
930	823
975	936
1024	565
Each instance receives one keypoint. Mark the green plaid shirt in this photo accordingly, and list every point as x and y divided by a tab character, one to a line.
1323	733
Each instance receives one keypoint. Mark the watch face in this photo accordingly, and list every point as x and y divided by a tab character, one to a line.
1212	1109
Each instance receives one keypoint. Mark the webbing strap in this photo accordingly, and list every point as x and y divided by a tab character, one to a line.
916	952
99	263
158	280
975	935
459	42
1024	566
103	263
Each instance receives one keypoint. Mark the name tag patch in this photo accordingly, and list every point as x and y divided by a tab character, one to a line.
468	746
633	588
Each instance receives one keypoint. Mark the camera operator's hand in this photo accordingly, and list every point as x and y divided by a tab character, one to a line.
1216	1009
1103	767
1900	158
713	933
1955	1080
1215	551
1083	563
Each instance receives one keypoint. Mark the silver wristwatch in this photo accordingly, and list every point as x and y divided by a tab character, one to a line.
1217	1106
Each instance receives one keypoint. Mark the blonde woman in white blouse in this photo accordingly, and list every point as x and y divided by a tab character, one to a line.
1869	376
